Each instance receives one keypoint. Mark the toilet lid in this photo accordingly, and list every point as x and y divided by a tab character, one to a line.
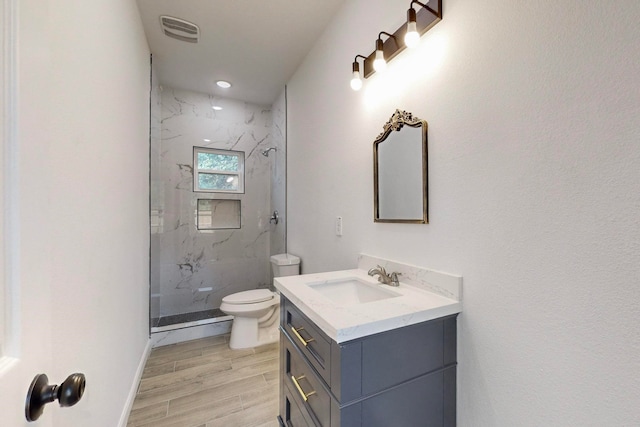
249	297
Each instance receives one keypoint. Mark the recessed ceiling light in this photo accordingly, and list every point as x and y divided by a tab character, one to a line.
217	107
206	140
223	84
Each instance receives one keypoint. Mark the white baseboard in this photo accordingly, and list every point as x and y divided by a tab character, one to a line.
124	417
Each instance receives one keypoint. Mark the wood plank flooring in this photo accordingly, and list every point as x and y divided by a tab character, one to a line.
203	383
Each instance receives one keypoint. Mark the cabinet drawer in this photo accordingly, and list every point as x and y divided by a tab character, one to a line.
292	415
312	342
301	380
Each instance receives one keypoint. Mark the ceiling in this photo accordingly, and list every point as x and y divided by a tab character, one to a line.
254	44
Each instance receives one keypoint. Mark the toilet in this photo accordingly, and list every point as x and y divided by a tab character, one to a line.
256	313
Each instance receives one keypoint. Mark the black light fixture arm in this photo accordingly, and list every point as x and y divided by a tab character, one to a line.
411	12
417	2
356	66
425	5
380	43
384	32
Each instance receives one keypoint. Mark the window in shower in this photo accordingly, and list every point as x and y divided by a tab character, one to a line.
218	171
218	214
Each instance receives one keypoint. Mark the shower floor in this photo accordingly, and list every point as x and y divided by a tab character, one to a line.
185	320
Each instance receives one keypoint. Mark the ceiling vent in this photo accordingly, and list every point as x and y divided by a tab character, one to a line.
180	29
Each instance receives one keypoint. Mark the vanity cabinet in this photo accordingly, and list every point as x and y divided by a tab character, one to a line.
405	377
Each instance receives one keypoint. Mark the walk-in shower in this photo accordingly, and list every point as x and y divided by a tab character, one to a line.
207	244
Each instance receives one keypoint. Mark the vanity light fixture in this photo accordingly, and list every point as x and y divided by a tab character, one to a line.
412	37
418	22
223	84
356	81
380	64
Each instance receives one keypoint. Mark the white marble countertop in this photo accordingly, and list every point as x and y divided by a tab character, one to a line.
346	322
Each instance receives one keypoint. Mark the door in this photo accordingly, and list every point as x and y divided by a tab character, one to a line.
25	342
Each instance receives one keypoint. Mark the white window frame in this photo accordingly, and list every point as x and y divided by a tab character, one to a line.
239	173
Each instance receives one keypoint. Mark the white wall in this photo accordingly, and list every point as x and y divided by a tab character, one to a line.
534	191
84	143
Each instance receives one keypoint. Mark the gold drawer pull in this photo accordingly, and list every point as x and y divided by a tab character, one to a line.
302	340
304	395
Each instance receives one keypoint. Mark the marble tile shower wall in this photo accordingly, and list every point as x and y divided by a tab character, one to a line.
197	269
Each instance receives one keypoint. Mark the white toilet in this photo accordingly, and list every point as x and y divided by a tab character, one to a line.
256	313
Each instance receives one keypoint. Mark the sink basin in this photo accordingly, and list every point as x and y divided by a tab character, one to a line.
351	291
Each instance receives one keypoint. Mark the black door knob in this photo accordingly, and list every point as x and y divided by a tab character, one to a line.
40	393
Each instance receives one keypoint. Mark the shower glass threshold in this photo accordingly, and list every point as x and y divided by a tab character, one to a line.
187	320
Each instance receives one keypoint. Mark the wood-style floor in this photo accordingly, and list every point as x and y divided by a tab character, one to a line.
203	383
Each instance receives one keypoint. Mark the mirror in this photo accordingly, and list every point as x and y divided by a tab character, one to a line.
400	171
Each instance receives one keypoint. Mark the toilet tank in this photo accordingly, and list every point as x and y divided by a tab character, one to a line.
285	265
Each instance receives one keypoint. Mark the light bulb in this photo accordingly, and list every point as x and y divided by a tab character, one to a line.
412	37
356	82
379	64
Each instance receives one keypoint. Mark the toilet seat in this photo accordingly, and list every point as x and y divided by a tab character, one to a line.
249	297
250	303
248	309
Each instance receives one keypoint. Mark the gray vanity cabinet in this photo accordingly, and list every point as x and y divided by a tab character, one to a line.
405	377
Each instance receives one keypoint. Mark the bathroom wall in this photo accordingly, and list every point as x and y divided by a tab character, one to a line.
198	268
534	172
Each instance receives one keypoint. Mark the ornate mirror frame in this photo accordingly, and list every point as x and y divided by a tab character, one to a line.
397	121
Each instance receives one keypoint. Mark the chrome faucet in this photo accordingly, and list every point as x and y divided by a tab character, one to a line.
383	277
394	279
